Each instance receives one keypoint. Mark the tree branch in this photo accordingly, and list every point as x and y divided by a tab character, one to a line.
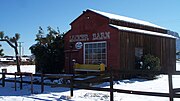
8	43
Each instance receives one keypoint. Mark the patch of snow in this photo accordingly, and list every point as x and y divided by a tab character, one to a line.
127	19
177	65
13	69
142	31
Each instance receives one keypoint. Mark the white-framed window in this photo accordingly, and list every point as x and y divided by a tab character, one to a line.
95	52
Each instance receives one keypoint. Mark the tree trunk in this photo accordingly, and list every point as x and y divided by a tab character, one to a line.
17	57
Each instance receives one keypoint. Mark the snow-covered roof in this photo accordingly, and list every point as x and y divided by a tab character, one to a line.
173	33
142	31
127	19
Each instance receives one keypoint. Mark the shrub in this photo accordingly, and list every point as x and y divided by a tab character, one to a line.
49	51
151	62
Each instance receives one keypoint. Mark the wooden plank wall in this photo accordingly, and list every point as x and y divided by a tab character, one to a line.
162	47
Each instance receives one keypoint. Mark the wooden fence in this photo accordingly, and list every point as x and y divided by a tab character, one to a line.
32	82
100	77
171	93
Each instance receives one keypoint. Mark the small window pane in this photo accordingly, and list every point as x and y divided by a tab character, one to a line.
90	51
103	50
90	46
99	45
103	45
103	56
94	45
90	56
104	61
99	51
86	51
99	56
87	56
86	46
95	50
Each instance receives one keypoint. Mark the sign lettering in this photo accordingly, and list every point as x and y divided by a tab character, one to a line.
101	36
85	37
82	37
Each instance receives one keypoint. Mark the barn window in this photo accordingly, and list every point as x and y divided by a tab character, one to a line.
138	53
95	53
138	57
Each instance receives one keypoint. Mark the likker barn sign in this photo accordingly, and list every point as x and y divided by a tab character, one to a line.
86	37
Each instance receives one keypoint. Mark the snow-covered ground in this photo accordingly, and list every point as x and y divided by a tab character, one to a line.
24	68
7	93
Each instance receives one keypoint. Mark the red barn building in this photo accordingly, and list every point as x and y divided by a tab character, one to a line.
97	37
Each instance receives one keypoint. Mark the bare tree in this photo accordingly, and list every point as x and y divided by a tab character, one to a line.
13	43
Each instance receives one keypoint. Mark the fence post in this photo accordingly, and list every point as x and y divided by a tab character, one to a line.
111	85
3	80
42	83
171	93
21	80
31	83
4	71
72	84
72	77
15	81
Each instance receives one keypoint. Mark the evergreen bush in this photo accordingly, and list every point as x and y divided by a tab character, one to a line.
151	62
49	51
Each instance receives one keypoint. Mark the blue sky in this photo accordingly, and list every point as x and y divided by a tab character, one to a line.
25	16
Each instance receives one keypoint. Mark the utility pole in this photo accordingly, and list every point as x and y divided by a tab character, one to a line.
20	51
